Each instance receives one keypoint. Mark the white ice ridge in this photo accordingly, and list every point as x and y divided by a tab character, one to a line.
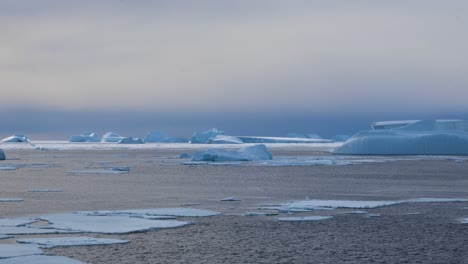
11	200
107	224
426	137
111	137
253	139
252	153
223	139
40	259
310	205
51	242
177	212
2	155
17	250
131	140
85	137
16	221
204	136
161	137
303	218
17	138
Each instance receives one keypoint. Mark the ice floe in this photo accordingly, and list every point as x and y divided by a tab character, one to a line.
108	224
204	136
223	139
16	221
45	190
85	137
253	139
5	236
11	200
17	138
40	259
8	168
131	140
426	137
259	214
103	171
177	212
231	199
2	155
17	250
252	153
111	137
70	241
303	218
30	230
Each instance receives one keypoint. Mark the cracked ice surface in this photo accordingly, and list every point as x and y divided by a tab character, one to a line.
16	221
70	241
108	224
40	259
303	218
16	250
177	212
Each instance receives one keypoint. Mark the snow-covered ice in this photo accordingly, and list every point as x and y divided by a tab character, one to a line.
231	199
51	242
40	259
111	137
253	139
178	212
11	200
223	139
427	137
252	153
204	136
108	224
16	221
85	137
17	138
303	218
17	250
131	140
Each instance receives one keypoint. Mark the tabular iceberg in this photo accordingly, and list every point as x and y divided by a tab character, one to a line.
17	138
252	153
2	155
426	137
111	137
204	136
85	137
161	137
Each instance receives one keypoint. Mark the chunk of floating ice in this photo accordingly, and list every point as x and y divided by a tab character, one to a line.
5	236
16	221
185	156
358	212
16	250
11	200
124	168
303	218
18	138
204	136
131	140
259	214
222	139
248	139
8	168
256	152
96	172
85	137
177	212
45	190
231	199
111	137
2	155
40	259
28	230
70	241
108	224
373	215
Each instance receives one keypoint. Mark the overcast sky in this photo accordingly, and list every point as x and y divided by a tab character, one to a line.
266	56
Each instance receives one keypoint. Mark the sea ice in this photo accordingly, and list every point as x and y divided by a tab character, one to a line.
40	259
231	199
28	230
341	138
16	221
185	156
17	250
8	168
111	137
108	224
303	218
131	140
259	214
85	137
204	136
300	135
178	212
70	241
427	137
223	139
2	155
252	153
5	236
111	171
17	138
11	200
252	139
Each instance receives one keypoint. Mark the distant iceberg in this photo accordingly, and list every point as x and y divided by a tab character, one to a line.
251	139
204	136
2	155
161	137
130	140
111	137
341	138
85	137
425	137
222	139
252	153
300	135
18	138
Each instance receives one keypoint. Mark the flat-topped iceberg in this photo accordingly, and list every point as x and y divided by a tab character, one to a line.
111	137
254	139
252	153
426	137
161	137
130	140
17	138
2	155
223	139
85	137
204	136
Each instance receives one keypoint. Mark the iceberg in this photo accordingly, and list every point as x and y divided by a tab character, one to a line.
222	139
85	137
17	138
161	137
392	124
111	137
252	153
2	155
341	138
425	137
204	137
253	139
130	140
300	135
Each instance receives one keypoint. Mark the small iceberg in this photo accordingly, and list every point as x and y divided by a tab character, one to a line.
17	138
253	139
223	139
85	137
252	153
231	199
111	137
131	140
204	136
161	137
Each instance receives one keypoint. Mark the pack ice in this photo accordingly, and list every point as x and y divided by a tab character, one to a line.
203	137
161	137
252	153
18	138
85	137
410	137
